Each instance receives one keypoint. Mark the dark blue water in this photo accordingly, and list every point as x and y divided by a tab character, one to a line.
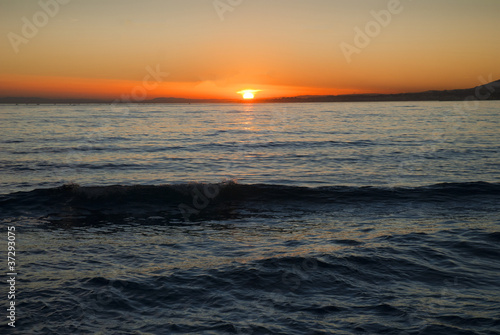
253	219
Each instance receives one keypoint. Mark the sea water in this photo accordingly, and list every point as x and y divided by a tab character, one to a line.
337	218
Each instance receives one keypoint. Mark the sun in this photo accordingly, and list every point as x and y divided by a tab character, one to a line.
248	94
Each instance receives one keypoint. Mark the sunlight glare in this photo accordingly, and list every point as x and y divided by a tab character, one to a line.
248	94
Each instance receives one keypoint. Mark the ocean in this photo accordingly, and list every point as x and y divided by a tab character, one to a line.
313	218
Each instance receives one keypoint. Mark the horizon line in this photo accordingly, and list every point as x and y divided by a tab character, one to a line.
453	94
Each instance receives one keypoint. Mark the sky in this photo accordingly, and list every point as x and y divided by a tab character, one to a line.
137	50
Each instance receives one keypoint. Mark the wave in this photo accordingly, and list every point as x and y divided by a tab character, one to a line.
283	295
216	199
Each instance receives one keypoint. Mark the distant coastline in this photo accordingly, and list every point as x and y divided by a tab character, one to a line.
490	91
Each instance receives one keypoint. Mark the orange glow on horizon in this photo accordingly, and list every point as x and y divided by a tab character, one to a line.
130	90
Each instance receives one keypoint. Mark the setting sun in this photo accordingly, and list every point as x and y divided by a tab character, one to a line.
248	94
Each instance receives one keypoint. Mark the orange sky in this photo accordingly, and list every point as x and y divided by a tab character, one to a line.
215	48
